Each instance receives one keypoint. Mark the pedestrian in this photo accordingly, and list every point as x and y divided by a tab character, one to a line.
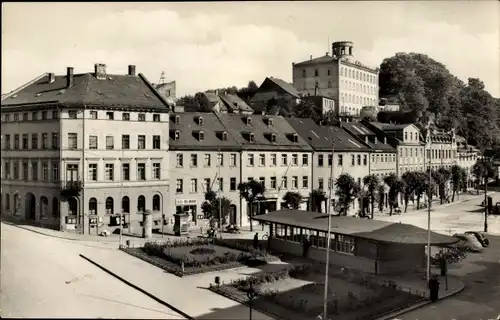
256	240
434	288
306	244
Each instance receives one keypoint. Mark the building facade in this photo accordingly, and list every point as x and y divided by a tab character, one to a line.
442	151
203	155
352	84
74	158
467	156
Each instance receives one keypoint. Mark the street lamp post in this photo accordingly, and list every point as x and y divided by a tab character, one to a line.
327	264
251	294
485	178
429	141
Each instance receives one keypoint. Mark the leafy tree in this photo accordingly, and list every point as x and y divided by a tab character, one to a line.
307	109
372	183
279	106
483	170
410	184
317	197
347	190
211	207
421	185
248	92
292	200
441	176
396	186
251	191
457	177
381	196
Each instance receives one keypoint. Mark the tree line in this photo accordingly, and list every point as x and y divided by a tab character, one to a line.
411	186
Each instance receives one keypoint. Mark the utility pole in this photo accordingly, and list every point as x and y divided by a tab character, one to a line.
220	193
121	211
485	172
429	194
327	265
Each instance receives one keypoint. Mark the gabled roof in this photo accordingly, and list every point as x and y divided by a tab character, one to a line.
375	230
320	138
236	125
189	127
391	127
124	91
362	132
234	103
285	86
323	59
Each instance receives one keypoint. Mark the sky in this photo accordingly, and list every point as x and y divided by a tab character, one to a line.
211	45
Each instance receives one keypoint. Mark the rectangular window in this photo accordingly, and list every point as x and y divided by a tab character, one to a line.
110	143
284	160
220	159
93	142
45	171
34	115
125	141
320	160
233	160
141	142
273	182
194	185
34	170
206	184
109	173
221	184
110	115
340	160
25	142
16	142
44	115
156	142
55	114
25	171
125	171
55	140
295	159
321	183
7	142
365	159
262	181
305	160
72	140
305	182
93	171
156	171
16	116
93	115
232	184
141	171
180	160
55	172
284	182
274	160
126	116
178	186
16	170
156	117
330	160
353	160
194	160
207	160
142	117
25	116
359	159
262	160
295	182
251	160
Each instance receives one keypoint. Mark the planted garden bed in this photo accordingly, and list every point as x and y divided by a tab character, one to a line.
297	293
186	257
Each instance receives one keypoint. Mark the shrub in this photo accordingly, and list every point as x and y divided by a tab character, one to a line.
270	277
202	250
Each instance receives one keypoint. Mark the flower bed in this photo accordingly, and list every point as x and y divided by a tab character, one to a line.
185	257
368	299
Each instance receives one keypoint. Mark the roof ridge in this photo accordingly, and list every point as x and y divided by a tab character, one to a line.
29	83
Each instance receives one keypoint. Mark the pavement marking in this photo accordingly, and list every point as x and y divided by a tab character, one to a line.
168	305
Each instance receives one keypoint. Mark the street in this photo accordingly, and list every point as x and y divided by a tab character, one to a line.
480	271
44	277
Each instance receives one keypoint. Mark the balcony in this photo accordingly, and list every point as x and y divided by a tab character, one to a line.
71	188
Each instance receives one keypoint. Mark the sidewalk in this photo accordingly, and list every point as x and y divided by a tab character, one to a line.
186	294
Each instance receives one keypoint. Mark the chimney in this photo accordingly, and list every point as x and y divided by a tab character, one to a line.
327	53
52	77
69	77
366	139
131	70
311	57
375	140
100	71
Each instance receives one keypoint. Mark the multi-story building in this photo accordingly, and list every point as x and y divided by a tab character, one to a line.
442	151
274	90
352	84
350	155
272	153
383	155
79	148
467	156
203	154
324	105
406	138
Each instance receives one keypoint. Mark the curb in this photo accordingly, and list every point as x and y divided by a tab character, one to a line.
168	305
418	305
38	232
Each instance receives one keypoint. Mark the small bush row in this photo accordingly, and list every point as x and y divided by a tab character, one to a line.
296	271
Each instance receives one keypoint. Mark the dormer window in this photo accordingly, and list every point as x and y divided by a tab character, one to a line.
201	136
224	136
177	119
269	122
177	135
293	137
200	121
375	140
251	137
248	121
366	139
385	140
273	137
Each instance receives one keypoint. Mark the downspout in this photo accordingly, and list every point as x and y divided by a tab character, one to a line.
82	214
241	180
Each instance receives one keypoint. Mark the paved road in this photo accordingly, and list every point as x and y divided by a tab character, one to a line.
44	277
481	296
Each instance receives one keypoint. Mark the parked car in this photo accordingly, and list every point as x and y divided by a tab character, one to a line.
468	242
481	237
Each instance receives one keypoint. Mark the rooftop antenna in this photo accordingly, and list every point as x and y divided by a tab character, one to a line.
162	78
